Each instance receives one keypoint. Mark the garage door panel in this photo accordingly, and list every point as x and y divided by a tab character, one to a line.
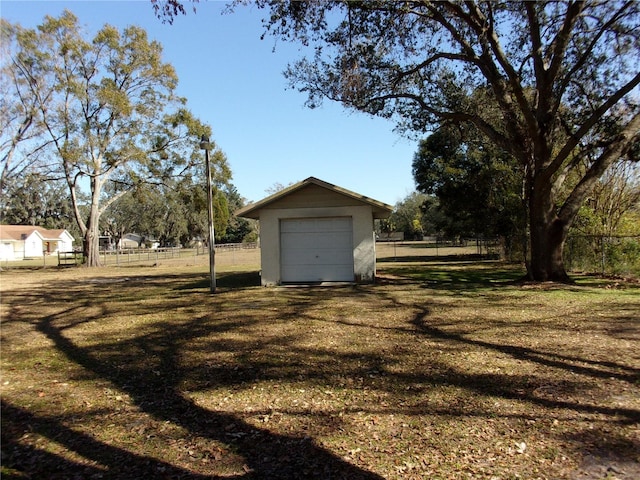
317	241
317	273
318	225
316	250
316	257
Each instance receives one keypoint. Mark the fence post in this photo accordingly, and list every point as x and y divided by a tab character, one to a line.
604	258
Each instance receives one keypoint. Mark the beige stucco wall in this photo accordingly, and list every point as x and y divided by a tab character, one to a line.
364	255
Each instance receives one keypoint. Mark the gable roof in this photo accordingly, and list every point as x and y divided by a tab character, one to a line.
20	232
17	232
380	209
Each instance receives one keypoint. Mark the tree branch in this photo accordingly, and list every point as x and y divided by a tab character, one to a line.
584	58
615	150
595	116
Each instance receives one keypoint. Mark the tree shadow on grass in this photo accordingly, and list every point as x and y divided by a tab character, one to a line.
239	280
595	369
612	456
227	280
119	463
154	388
148	368
464	277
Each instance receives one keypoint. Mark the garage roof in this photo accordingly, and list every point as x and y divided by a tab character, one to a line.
380	209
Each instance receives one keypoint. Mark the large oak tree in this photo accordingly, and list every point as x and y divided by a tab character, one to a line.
563	74
107	112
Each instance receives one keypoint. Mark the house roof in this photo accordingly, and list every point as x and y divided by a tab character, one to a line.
20	232
380	209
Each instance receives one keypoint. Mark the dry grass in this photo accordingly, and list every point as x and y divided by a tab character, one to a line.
444	369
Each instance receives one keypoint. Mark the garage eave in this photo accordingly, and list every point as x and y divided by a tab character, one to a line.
380	209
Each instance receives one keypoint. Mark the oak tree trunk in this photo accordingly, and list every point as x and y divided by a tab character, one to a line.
91	247
91	244
548	236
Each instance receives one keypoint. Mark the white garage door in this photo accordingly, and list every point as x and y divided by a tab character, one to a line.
316	250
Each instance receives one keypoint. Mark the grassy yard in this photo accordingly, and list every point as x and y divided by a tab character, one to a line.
445	369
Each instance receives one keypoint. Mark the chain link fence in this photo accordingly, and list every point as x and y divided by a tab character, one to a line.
597	254
607	255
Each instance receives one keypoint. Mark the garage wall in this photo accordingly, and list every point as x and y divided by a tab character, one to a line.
363	241
6	251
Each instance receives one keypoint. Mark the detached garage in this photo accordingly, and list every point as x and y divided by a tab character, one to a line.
316	232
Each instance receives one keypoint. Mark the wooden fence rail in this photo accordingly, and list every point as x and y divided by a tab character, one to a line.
69	259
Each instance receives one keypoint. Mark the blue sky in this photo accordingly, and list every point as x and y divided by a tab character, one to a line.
233	81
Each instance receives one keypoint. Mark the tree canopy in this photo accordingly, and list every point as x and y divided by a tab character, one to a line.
562	77
408	217
560	80
37	200
477	185
106	110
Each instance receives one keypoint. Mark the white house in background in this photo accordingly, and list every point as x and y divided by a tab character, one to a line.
132	240
127	241
315	232
24	241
